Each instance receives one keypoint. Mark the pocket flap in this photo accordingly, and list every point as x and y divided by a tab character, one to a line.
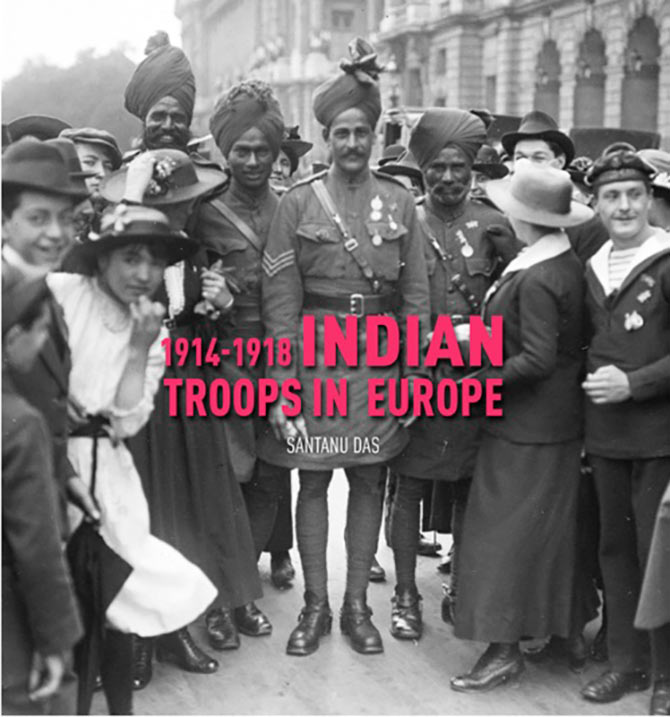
318	232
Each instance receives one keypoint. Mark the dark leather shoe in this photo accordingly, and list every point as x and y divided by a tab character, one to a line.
143	655
448	609
178	647
612	686
282	572
251	621
315	621
221	630
599	646
571	650
406	621
377	573
355	622
500	663
660	699
428	548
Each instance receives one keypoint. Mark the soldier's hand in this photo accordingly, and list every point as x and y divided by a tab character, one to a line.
608	384
284	427
76	415
215	290
147	321
46	675
140	172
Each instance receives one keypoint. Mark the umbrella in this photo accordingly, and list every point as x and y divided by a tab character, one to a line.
98	574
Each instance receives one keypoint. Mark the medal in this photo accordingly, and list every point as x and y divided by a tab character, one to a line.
392	223
466	250
376	240
633	321
376	205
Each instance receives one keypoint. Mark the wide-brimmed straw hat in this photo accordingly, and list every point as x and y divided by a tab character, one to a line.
175	179
538	195
39	166
539	125
131	225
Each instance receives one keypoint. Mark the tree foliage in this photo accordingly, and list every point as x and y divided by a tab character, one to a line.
87	94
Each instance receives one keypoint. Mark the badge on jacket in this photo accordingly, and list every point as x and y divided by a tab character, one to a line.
633	321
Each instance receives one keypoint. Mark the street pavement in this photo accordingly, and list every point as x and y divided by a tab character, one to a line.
408	678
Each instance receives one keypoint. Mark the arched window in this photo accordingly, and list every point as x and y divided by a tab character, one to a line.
590	81
548	79
639	90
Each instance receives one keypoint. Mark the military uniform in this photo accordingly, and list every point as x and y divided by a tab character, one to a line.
462	263
234	227
308	269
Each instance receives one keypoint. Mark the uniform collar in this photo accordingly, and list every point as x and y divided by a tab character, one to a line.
659	241
547	247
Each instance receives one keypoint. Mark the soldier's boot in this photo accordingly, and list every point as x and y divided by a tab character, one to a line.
315	621
355	622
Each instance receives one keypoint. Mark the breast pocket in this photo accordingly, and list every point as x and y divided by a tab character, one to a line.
320	250
385	249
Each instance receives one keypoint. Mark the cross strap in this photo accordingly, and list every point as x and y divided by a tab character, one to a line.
350	242
456	278
242	227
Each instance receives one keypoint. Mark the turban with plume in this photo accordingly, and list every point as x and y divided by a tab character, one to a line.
248	104
164	71
357	86
442	126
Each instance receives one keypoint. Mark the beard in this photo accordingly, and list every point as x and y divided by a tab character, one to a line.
176	138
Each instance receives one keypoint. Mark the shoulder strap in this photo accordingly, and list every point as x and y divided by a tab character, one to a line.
242	227
350	243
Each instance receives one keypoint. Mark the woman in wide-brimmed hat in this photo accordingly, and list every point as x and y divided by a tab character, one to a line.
191	466
518	545
115	333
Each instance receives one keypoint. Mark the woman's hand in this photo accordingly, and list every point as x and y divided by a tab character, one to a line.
147	321
215	290
140	172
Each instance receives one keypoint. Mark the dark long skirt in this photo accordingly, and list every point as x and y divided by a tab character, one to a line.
518	550
191	469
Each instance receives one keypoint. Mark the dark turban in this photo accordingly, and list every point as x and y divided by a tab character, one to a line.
246	105
442	126
356	87
164	71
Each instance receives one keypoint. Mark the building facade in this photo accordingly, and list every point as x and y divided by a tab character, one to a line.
589	63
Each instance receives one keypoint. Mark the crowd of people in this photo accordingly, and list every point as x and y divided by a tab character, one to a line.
124	523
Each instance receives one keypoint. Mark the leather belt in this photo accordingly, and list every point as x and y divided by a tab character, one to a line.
356	304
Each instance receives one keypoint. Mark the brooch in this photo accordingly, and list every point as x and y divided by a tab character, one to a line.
633	321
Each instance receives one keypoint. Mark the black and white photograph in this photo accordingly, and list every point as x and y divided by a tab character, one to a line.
335	357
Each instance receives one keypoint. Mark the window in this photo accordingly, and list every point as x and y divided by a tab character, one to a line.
441	62
491	91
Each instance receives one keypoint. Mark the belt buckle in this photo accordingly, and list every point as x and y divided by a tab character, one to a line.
357	305
351	244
